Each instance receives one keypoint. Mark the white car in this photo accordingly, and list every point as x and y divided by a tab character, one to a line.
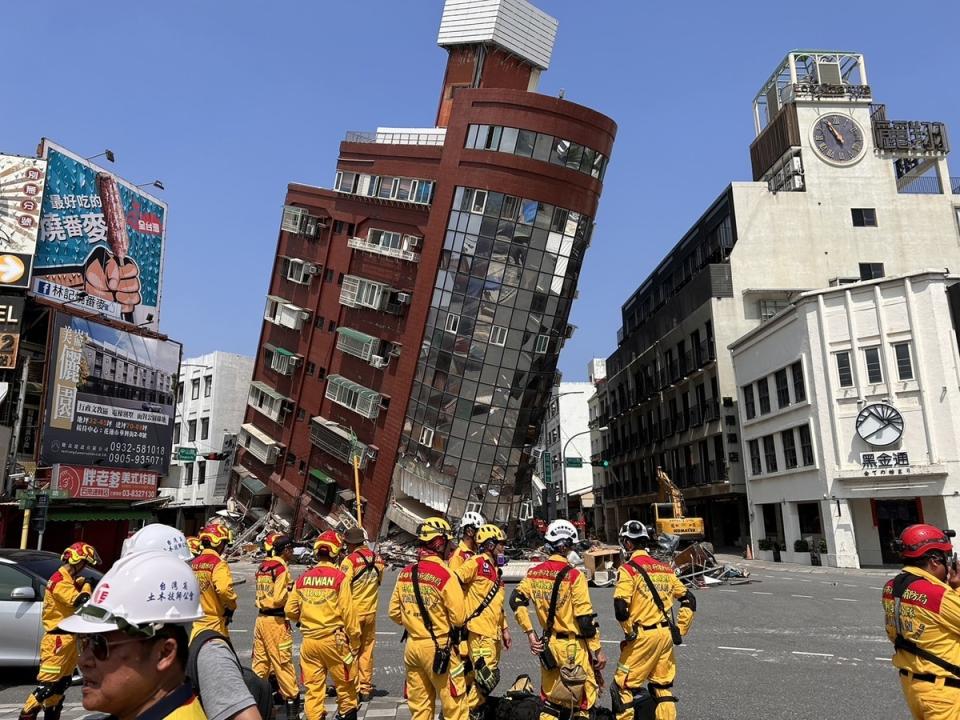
23	579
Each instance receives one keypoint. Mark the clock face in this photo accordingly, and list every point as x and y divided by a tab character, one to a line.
838	139
880	424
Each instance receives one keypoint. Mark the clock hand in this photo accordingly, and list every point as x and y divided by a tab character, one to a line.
835	132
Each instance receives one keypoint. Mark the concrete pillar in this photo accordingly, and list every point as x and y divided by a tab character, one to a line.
951	506
791	524
840	535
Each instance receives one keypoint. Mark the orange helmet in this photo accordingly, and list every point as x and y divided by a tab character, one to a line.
214	536
80	552
329	543
196	547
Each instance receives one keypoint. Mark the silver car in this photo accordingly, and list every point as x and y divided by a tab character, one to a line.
23	579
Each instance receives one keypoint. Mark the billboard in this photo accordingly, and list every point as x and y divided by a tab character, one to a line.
21	190
104	483
101	239
11	312
110	397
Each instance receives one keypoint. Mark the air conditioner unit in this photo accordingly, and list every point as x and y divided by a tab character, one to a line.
536	453
795	166
378	361
310	226
794	183
414	241
372	452
403	298
727	401
311	269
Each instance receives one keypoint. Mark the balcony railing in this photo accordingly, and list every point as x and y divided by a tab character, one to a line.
425	137
955	185
924	185
336	441
366	246
695	418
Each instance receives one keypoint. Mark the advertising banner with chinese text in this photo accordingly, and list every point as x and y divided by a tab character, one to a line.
101	241
11	313
110	397
104	483
21	190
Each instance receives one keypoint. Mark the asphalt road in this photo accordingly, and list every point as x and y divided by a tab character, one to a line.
792	644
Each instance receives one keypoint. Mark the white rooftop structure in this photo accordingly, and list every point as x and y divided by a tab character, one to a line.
514	25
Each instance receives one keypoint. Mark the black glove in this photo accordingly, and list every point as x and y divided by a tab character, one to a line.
81	599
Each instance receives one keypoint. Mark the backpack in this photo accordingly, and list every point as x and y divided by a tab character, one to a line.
258	686
520	702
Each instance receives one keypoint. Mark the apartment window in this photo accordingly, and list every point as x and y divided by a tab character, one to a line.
749	408
498	335
292	218
191	431
904	365
189	480
543	341
763	395
479	201
453	322
864	217
301	415
799	389
769	308
176	433
871	356
311	368
844	372
806	445
179	391
755	467
195	389
426	436
783	388
871	271
291	459
770	453
332	326
208	385
318	323
201	473
789	448
328	275
204	428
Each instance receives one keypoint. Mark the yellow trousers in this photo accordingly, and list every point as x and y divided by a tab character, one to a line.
58	659
649	658
931	701
570	651
320	657
210	622
423	686
486	649
273	653
368	638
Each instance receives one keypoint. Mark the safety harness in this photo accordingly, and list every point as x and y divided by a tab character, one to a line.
368	565
485	603
900	584
658	601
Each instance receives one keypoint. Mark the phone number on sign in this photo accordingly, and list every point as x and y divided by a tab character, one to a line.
134	459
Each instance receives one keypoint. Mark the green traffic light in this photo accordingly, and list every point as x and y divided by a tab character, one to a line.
606	463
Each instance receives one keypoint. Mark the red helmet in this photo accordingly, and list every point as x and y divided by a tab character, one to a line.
329	543
214	535
917	540
80	552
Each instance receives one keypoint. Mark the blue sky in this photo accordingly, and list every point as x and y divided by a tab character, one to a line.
226	108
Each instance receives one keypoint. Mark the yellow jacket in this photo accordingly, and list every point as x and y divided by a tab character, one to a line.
442	598
479	575
321	602
60	599
573	601
364	584
930	617
633	591
273	585
216	584
460	556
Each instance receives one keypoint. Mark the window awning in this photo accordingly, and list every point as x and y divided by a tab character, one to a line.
254	485
321	477
94	514
258	434
364	392
331	426
284	351
276	298
267	390
241	471
356	335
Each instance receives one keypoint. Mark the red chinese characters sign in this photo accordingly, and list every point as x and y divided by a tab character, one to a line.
100	483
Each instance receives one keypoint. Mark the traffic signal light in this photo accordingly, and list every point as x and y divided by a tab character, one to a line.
215	456
606	463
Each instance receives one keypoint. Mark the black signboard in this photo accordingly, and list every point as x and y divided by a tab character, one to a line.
11	313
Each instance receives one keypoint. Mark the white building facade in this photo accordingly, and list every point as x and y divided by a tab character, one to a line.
849	411
566	427
213	394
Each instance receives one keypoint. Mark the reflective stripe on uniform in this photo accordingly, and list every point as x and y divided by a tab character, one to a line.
623	668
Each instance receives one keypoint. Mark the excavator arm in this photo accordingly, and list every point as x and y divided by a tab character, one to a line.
670	493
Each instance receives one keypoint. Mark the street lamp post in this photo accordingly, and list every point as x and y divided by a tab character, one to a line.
563	464
550	493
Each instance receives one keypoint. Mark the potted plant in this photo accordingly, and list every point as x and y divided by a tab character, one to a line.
801	546
765	549
800	554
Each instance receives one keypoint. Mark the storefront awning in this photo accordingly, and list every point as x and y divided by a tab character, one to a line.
255	485
321	477
94	514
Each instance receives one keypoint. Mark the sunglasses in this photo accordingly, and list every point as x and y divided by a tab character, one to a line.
100	646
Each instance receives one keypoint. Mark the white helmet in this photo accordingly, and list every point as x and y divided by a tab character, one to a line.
143	590
471	519
561	531
634	530
158	537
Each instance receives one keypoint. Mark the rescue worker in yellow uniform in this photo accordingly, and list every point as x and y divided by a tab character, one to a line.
322	605
364	571
431	656
921	606
467	548
272	636
196	547
570	653
217	596
66	591
487	629
646	652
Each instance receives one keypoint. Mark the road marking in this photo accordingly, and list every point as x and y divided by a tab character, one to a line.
804	580
875	588
610	642
235	630
808	597
744	649
883	659
385	632
760	592
800	652
845	585
827	582
846	600
725	590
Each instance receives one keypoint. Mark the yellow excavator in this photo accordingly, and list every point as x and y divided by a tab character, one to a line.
668	512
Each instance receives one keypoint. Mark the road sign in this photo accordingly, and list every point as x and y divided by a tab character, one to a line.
574	462
58	494
547	468
43	501
186	454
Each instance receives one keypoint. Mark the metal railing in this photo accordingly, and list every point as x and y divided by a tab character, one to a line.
357	243
397	138
955	185
924	185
